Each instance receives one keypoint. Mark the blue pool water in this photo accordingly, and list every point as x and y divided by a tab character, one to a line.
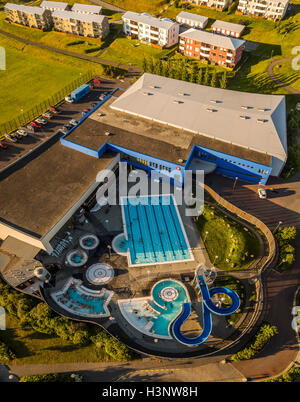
155	234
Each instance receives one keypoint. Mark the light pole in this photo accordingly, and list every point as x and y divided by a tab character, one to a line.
216	257
279	223
234	184
206	233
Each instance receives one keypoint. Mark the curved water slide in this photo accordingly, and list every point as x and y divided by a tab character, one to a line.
208	307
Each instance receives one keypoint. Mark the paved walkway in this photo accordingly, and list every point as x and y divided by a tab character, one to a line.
273	76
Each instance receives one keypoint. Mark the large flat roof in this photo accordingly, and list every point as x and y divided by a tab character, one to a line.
25	9
228	26
54	4
149	137
37	195
191	16
86	8
77	16
251	121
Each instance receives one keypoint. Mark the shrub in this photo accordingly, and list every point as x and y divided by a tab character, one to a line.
48	378
6	353
264	334
112	346
290	376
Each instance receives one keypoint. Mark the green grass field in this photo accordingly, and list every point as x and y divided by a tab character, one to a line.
32	75
131	51
32	347
140	6
235	246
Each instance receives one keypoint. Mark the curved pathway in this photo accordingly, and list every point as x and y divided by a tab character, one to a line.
274	78
131	69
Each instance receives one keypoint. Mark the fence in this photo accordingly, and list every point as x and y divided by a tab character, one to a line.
40	108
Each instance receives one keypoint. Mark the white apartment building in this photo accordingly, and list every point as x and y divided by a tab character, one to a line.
192	20
86	9
54	5
216	4
161	32
270	9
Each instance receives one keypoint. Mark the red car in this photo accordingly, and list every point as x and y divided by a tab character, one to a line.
53	109
97	81
2	145
35	124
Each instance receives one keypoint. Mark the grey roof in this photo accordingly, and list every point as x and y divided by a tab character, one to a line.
212	38
25	9
193	17
252	121
228	26
76	16
149	20
54	4
86	8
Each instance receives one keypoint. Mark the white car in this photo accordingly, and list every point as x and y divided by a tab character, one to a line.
22	132
262	193
41	121
73	122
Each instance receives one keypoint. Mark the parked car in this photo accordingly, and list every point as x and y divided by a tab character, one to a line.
73	122
11	137
54	110
30	128
35	124
2	145
94	104
22	132
41	121
101	97
17	135
97	81
262	193
47	115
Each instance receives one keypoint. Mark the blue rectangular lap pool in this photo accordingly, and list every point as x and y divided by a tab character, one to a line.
154	233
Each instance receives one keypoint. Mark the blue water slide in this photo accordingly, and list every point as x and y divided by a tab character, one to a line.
208	307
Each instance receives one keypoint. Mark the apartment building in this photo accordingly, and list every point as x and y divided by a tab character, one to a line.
89	25
86	9
227	28
216	4
271	9
160	32
54	5
217	49
192	20
34	17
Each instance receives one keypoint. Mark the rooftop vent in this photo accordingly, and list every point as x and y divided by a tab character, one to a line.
154	86
177	101
261	120
183	94
245	117
107	133
208	109
147	93
246	107
262	109
215	101
180	160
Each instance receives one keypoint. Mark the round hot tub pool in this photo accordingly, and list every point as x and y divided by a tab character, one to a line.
99	274
89	241
120	244
76	258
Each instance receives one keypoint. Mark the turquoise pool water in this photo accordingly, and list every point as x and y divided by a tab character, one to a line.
155	233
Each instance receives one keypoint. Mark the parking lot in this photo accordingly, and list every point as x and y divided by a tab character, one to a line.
68	111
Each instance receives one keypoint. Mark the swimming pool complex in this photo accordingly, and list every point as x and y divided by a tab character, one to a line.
153	315
154	233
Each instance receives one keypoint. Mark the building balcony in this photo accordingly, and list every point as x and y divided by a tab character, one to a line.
181	48
204	54
205	48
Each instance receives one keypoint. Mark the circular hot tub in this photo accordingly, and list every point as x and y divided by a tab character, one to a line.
89	241
99	274
120	244
76	258
169	294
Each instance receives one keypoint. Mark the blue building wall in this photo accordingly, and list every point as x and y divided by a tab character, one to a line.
232	166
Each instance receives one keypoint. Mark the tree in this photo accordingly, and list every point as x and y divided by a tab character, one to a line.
158	68
206	76
184	73
150	65
200	76
213	82
165	69
193	75
145	65
223	80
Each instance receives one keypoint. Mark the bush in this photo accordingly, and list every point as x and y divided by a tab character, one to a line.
112	346
290	376
6	353
48	378
264	334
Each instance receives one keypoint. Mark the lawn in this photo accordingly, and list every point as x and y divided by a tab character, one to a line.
32	75
132	52
235	246
31	347
140	6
